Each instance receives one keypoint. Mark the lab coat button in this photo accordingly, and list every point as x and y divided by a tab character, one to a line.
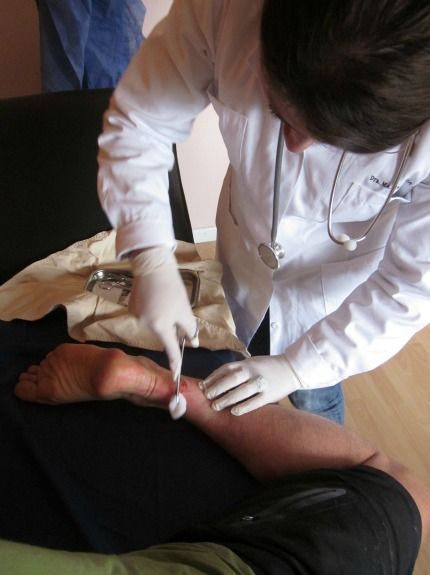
274	325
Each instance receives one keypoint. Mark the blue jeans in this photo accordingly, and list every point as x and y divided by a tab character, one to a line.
87	44
327	402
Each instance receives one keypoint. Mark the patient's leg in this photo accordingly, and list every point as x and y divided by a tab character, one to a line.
84	372
269	442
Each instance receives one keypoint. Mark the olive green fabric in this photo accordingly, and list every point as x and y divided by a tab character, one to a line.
169	559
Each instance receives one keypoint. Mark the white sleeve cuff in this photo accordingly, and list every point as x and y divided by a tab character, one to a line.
312	370
142	234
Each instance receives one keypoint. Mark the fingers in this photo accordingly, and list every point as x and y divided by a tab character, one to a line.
223	379
194	337
227	382
171	339
250	405
171	347
247	385
189	329
159	299
219	374
243	392
231	385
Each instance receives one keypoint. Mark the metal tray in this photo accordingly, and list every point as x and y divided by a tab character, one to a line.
115	284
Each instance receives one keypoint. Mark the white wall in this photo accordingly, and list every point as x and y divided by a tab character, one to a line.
202	158
19	48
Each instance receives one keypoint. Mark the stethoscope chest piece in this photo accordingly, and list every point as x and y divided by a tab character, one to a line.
271	254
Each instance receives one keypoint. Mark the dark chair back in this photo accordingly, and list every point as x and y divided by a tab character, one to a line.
48	176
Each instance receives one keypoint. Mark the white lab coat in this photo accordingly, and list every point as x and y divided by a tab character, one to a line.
334	313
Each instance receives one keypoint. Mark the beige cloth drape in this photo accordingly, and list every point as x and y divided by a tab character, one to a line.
60	280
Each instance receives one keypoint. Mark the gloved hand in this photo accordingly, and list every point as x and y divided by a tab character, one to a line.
159	298
251	383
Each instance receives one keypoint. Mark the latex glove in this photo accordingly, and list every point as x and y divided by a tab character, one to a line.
159	298
250	384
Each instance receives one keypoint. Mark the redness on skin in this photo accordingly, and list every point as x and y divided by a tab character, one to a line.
184	386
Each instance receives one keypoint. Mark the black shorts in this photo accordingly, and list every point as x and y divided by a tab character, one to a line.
326	522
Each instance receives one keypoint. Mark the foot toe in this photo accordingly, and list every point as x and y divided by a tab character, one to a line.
26	390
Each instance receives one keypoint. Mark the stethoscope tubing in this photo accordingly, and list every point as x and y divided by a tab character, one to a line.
274	251
336	240
277	184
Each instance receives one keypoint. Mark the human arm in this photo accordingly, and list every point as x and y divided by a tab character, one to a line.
277	440
365	327
160	299
153	106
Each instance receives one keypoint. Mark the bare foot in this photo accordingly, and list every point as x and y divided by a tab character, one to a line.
85	372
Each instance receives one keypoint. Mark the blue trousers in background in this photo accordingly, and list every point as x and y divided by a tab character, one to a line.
87	44
327	402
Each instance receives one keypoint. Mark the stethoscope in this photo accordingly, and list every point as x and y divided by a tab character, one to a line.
271	253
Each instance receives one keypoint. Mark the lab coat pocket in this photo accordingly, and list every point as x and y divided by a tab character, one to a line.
232	126
352	202
339	279
360	203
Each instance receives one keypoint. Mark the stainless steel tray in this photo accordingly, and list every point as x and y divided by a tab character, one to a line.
115	284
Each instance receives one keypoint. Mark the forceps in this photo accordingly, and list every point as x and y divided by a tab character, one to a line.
178	378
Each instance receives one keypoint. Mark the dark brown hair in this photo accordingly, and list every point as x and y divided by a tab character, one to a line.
357	70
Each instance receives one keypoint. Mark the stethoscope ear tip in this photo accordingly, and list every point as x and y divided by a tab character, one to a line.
348	243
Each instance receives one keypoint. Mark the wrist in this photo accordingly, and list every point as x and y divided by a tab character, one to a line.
294	375
147	260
